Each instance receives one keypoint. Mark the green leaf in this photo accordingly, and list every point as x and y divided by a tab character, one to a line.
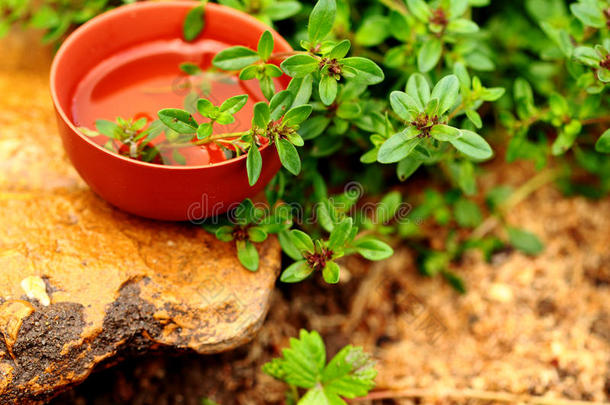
432	107
466	177
205	107
296	115
445	133
295	139
587	56
429	55
420	10
280	103
272	70
265	45
350	374
455	281
44	18
301	89
340	233
288	156
193	23
388	207
225	233
224	118
399	146
406	167
589	12
295	273
299	66
447	92
261	116
234	104
190	68
314	127
603	143
108	128
419	89
462	26
257	234
467	213
472	145
525	241
304	360
475	118
321	20
247	255
280	10
492	94
288	246
328	89
249	72
404	105
301	241
178	157
604	76
254	164
340	50
235	58
179	120
247	213
204	130
567	136
349	110
373	31
330	273
267	86
58	30
364	70
434	262
399	26
373	249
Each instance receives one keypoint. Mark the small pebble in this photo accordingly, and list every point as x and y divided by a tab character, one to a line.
500	293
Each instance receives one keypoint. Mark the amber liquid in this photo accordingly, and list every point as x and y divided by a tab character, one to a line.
142	80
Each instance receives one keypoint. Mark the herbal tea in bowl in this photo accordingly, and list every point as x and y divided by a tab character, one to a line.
174	111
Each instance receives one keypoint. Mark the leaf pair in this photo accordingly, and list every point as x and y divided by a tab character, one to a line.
249	224
332	66
424	112
281	128
252	64
349	374
183	122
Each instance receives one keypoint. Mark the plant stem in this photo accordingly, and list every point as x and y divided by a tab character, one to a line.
295	392
541	179
598	120
217	137
455	112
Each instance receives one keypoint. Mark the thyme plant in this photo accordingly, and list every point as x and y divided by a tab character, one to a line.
382	92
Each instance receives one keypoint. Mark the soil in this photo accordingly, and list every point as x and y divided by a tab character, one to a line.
527	327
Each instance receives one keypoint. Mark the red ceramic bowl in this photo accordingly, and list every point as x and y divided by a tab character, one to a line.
174	193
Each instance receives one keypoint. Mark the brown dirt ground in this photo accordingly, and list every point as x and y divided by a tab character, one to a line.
528	326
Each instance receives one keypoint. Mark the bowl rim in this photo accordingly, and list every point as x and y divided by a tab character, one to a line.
100	19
